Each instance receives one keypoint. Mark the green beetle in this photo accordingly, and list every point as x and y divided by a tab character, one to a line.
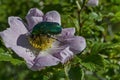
46	28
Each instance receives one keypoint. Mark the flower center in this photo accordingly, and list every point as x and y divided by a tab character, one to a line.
41	42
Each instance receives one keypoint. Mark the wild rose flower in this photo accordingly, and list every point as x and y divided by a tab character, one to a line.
93	3
43	51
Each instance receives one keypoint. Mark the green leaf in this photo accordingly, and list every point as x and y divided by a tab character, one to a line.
95	16
58	75
97	47
75	73
93	62
5	56
89	66
116	17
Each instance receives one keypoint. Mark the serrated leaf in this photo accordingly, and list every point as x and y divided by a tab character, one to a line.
97	47
116	17
75	73
90	66
93	62
58	75
112	46
93	15
5	56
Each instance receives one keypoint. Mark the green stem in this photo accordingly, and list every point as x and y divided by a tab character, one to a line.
79	23
79	15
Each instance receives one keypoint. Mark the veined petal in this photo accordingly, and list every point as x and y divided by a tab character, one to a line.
76	44
64	54
93	3
33	17
35	12
17	25
12	39
26	54
68	32
52	16
11	35
43	61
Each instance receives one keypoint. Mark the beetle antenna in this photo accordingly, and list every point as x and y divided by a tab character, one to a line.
54	38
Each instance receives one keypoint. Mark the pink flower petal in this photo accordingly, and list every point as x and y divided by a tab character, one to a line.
63	54
52	16
11	39
11	35
93	3
76	43
26	54
43	61
33	17
68	32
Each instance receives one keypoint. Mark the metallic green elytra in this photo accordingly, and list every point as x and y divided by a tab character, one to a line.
45	28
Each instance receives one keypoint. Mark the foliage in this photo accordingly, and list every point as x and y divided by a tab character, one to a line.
99	25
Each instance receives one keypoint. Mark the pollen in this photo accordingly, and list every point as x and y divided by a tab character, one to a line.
41	42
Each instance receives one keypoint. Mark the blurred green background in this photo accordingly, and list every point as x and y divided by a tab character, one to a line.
99	25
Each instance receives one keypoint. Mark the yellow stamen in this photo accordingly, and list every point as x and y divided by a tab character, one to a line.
41	42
